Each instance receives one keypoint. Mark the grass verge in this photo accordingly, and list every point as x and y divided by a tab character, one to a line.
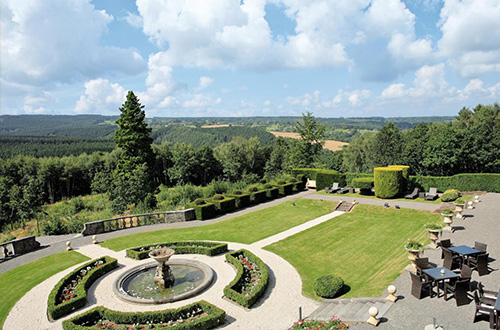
364	247
16	282
247	228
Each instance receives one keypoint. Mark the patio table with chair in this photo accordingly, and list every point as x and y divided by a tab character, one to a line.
465	252
439	275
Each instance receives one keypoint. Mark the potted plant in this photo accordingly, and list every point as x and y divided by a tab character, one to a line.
448	218
413	247
459	207
434	230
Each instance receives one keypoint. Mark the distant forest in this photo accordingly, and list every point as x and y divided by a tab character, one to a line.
64	135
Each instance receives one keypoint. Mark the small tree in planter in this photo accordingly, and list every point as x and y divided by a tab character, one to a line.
459	208
448	218
434	230
413	247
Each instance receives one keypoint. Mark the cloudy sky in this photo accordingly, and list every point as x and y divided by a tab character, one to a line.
335	58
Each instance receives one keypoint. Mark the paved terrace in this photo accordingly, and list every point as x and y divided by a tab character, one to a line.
481	224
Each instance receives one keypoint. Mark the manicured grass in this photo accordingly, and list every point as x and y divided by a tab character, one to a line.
16	282
364	247
247	228
466	198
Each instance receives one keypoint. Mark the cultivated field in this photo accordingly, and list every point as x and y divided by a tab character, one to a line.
329	144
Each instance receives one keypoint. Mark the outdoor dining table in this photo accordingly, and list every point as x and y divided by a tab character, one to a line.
438	276
465	251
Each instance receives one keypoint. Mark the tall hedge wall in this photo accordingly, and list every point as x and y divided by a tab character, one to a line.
324	178
405	171
388	181
463	182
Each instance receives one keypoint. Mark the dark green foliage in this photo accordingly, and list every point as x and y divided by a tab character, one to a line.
205	211
350	176
363	183
285	189
242	200
252	188
180	247
49	146
328	286
405	172
388	181
225	205
299	186
258	197
280	182
450	195
56	309
387	146
213	317
272	193
463	182
326	178
232	290
218	197
199	201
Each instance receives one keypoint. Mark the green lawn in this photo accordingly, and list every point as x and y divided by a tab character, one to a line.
247	228
364	247
16	282
466	198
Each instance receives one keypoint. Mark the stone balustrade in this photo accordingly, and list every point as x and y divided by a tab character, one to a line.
18	246
137	220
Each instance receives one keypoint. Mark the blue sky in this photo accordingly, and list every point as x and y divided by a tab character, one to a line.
337	58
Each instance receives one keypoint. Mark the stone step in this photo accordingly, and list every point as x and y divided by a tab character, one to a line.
355	309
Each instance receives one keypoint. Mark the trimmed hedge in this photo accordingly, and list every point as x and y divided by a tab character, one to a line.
57	309
364	185
299	186
387	181
180	247
285	189
242	200
232	292
405	171
326	178
258	197
349	176
205	211
213	317
225	205
463	182
272	193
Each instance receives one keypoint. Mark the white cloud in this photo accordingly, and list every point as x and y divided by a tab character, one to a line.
169	102
476	89
471	35
134	20
204	83
267	103
394	91
59	41
101	97
201	101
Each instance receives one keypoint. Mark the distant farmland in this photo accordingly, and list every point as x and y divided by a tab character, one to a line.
329	144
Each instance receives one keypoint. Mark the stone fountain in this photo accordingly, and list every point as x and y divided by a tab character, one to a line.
163	277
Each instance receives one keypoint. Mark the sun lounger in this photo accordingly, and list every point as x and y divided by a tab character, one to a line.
432	194
333	189
413	194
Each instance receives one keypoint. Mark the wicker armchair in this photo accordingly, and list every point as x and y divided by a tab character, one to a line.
484	308
459	290
419	285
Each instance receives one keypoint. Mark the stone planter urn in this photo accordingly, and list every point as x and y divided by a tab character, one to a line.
413	255
433	236
448	220
459	209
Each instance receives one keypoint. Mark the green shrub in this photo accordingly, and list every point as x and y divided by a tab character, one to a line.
242	200
450	195
237	192
53	226
252	188
328	286
459	201
301	177
363	183
267	186
217	197
225	205
258	197
447	211
464	182
234	290
387	181
326	178
299	186
210	317
205	211
405	172
272	193
280	182
308	173
57	309
180	247
433	226
199	201
285	189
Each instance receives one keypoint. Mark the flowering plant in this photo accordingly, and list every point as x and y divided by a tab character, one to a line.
69	291
334	324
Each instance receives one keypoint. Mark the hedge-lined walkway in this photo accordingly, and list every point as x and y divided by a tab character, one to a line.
277	309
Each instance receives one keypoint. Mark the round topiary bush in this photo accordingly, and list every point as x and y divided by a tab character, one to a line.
252	188
218	197
388	181
199	201
328	286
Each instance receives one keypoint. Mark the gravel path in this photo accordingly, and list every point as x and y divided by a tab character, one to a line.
481	224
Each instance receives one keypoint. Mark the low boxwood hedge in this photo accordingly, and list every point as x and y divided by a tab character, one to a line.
225	205
243	281
258	196
242	200
364	185
285	189
206	316
205	211
57	308
180	247
272	193
299	185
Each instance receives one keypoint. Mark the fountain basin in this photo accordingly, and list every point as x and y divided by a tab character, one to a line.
137	284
